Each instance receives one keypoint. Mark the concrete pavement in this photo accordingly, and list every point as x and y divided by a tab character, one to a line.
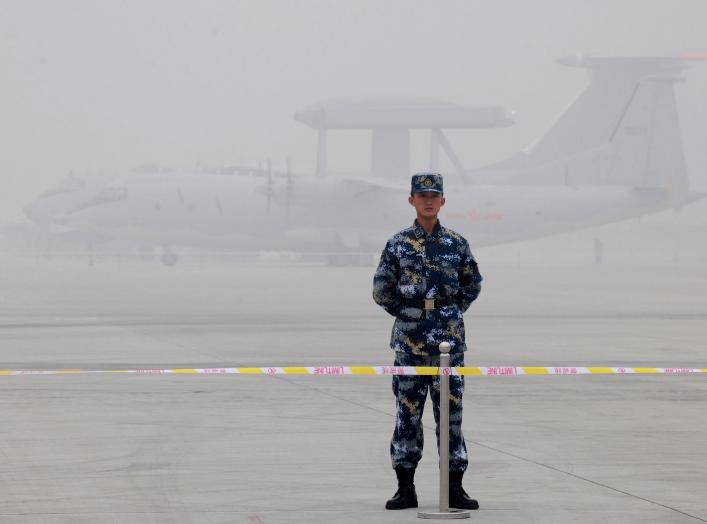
259	449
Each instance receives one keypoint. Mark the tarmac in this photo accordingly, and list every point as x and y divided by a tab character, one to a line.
282	449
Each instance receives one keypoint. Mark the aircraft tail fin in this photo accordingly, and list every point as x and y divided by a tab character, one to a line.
622	129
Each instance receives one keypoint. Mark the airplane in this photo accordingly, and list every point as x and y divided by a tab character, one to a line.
614	153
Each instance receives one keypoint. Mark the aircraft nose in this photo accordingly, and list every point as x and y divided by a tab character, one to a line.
37	213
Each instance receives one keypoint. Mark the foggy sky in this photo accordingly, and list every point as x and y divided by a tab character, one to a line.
104	86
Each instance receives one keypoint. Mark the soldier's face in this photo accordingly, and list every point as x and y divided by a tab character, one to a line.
426	204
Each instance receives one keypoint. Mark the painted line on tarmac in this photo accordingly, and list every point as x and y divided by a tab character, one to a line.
307	386
486	371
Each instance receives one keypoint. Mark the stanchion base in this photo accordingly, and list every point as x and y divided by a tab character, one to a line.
451	514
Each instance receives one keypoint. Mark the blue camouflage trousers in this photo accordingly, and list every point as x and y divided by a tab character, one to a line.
410	395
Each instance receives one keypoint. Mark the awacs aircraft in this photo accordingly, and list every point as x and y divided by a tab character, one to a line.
613	154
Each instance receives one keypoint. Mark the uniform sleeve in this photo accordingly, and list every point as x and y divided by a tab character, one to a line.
385	281
469	280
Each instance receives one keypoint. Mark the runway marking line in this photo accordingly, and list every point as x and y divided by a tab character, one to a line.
487	371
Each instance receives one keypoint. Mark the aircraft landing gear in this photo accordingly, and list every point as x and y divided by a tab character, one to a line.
169	258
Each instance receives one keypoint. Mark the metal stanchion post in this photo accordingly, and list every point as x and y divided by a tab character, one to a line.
444	511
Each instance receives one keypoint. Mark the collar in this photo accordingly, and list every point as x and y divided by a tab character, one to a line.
421	233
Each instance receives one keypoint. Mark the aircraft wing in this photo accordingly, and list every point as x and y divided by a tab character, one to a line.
364	184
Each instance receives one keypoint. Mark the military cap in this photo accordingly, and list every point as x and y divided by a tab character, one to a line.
426	182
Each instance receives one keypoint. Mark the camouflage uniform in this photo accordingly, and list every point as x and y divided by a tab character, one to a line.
415	266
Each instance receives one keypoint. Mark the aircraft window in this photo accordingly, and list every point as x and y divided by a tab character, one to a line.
112	194
67	186
109	194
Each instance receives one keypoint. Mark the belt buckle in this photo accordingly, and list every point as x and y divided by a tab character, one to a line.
429	304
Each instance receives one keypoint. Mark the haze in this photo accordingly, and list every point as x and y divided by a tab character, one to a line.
98	88
102	87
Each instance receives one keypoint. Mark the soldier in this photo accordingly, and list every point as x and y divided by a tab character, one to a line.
427	278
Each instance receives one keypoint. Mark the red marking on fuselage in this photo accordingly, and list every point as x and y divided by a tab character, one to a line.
475	216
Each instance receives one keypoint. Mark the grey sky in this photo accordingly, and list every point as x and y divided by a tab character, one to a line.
108	85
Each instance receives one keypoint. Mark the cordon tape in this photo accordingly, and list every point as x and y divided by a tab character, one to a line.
494	371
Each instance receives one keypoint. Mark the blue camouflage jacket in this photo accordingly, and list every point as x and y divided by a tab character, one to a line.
415	266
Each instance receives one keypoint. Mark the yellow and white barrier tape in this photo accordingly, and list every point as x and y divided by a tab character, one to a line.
371	370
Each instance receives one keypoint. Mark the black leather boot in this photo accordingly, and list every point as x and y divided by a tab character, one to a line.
405	497
458	498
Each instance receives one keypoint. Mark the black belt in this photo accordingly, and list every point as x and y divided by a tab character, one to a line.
429	303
